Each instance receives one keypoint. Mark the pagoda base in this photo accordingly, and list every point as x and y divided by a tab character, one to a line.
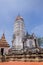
25	57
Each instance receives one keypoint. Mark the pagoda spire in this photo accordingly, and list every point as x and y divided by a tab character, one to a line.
19	14
3	36
19	17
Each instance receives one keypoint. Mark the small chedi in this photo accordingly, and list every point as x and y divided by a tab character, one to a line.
25	47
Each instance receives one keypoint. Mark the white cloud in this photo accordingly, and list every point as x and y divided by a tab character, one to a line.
38	30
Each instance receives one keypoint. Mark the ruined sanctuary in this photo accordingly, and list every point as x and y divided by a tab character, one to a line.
25	47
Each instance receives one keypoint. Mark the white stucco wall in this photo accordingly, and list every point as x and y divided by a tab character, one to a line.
18	44
5	50
30	43
19	33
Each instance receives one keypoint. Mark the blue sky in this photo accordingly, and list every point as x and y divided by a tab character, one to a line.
30	10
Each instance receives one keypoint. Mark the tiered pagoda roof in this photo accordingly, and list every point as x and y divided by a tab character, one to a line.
3	42
19	18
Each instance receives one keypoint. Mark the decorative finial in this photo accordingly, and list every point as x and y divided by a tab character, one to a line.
18	14
19	17
3	36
